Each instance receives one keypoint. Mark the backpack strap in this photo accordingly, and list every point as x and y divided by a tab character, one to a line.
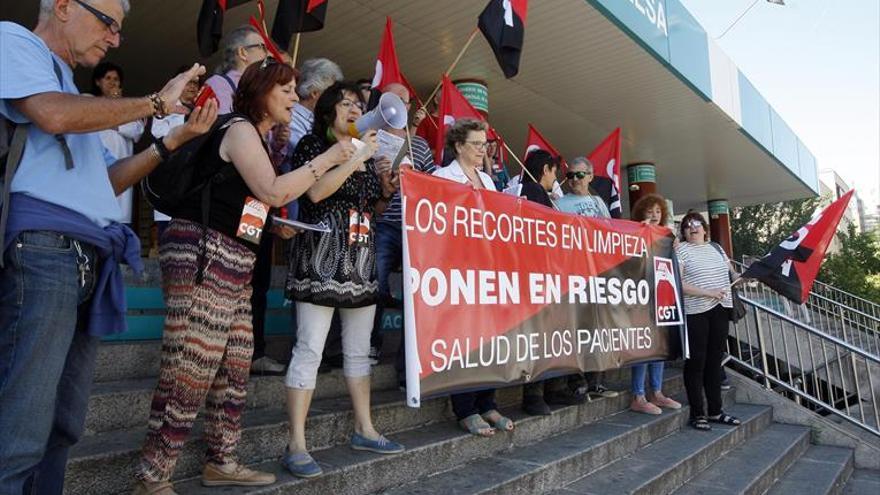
65	150
229	81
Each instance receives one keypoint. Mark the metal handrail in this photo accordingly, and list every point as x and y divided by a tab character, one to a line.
830	287
785	358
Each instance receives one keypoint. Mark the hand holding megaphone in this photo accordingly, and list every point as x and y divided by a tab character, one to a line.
390	113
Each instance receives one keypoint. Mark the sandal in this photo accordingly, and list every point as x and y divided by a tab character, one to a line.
476	425
700	424
725	419
498	421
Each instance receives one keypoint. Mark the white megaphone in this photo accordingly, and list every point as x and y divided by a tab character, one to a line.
389	113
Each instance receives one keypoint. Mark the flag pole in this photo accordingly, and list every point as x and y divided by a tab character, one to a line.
409	144
295	51
450	69
525	170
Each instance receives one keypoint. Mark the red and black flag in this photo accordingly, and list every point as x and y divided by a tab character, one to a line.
297	16
606	170
503	23
209	27
791	267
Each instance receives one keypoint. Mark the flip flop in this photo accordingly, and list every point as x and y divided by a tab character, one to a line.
700	424
476	425
725	419
498	421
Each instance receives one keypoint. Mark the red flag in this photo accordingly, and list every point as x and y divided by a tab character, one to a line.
453	106
791	267
387	67
535	141
606	167
270	45
503	23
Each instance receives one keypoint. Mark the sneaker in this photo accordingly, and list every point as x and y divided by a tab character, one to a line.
267	366
725	385
234	474
600	391
153	488
301	465
374	355
534	405
640	405
380	446
660	400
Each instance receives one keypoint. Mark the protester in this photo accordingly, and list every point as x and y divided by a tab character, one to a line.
495	167
161	127
107	80
476	411
206	271
316	75
581	202
652	210
336	269
242	47
365	86
707	303
63	243
389	241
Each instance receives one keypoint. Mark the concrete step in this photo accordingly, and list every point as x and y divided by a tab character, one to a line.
430	449
822	470
863	482
667	464
752	468
548	464
125	404
105	463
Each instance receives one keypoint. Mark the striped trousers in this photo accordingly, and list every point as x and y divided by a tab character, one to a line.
206	347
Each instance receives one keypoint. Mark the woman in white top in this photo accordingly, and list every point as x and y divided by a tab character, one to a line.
707	303
476	411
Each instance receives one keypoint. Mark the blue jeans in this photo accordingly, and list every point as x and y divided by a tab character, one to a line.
389	254
46	360
655	376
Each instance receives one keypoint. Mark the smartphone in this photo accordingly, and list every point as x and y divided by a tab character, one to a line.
205	93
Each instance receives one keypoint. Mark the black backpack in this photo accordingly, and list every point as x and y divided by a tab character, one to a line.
177	179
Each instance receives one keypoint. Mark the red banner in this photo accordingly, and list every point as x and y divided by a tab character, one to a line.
499	290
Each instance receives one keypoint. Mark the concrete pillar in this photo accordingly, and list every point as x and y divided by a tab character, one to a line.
719	224
642	179
476	92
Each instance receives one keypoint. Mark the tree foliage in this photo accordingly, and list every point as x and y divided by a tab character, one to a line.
855	268
755	230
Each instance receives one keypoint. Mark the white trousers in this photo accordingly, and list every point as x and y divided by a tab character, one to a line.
313	325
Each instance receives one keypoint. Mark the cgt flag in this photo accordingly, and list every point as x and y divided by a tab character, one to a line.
503	23
209	26
453	106
297	16
535	141
501	291
606	161
791	267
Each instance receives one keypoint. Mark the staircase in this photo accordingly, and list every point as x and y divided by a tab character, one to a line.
598	447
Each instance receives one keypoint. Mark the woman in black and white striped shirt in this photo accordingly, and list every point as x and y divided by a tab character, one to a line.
707	303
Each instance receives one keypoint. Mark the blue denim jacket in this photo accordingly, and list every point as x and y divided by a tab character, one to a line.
114	244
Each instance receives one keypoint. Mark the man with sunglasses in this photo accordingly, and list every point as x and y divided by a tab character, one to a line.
241	47
60	286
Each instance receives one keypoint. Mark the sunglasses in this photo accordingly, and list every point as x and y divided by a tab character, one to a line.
112	25
270	60
576	175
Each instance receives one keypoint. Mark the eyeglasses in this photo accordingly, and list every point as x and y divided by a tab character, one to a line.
112	25
261	46
347	104
692	226
577	175
480	145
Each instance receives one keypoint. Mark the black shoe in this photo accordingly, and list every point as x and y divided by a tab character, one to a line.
565	398
534	405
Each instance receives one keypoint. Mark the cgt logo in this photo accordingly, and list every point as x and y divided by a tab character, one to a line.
667	303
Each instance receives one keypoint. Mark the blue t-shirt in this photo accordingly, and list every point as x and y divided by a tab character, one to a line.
585	206
26	69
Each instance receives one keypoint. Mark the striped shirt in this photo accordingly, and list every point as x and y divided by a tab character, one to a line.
423	162
706	267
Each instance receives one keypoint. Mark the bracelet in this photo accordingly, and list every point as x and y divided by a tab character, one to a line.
314	172
158	106
155	152
161	150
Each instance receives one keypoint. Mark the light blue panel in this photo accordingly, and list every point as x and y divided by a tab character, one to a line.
755	113
689	48
140	327
646	20
144	298
785	143
809	168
